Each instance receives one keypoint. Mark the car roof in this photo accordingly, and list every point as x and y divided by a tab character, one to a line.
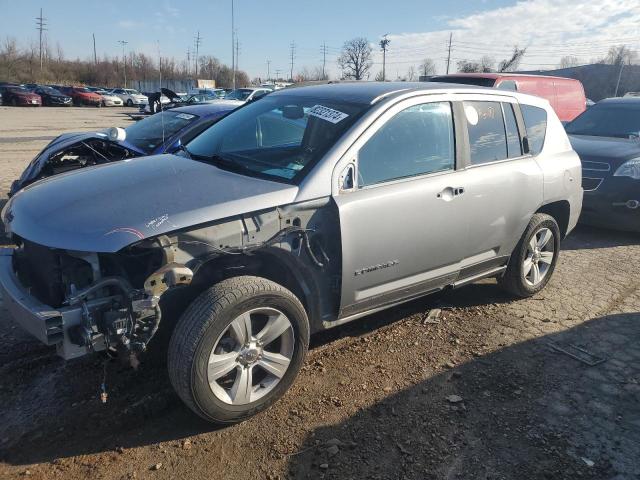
369	92
205	109
496	75
622	100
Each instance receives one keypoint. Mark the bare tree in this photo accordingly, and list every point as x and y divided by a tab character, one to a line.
621	55
355	59
511	64
569	61
485	65
427	67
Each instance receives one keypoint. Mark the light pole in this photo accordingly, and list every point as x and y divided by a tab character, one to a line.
124	61
233	48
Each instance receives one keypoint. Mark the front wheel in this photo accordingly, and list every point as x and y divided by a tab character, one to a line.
129	102
534	259
238	348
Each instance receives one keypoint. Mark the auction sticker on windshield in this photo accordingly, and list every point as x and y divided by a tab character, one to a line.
185	116
328	114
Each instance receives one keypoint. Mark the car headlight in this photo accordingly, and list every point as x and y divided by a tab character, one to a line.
630	168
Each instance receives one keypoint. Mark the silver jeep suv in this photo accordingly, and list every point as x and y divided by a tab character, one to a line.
302	211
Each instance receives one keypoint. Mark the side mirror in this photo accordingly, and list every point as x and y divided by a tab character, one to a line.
526	149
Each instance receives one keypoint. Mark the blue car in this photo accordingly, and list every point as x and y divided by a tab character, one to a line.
160	133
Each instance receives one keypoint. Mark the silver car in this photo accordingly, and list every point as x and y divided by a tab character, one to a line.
308	209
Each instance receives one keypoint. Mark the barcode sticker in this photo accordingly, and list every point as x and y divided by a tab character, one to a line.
328	114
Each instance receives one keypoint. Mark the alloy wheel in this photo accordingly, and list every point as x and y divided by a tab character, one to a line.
251	356
539	257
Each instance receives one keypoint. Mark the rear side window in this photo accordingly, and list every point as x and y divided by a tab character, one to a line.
508	85
514	149
535	121
487	138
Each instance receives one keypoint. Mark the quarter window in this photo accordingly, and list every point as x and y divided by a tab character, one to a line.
535	121
487	138
416	141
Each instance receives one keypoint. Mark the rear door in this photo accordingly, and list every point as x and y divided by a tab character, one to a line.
503	185
402	224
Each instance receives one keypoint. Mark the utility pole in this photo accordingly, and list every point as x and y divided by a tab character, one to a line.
124	61
384	43
324	58
268	70
237	51
619	77
449	54
41	23
95	56
293	53
277	74
198	41
188	60
233	47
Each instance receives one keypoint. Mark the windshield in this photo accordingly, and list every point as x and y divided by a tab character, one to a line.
620	120
239	94
147	134
49	90
279	137
132	92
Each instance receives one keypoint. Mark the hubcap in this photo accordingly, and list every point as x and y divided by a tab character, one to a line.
539	257
251	356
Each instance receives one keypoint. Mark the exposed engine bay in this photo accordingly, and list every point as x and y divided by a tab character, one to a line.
113	302
84	153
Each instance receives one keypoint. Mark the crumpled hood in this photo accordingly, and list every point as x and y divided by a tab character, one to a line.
56	145
107	207
614	151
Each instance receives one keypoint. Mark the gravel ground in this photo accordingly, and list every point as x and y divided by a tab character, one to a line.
483	394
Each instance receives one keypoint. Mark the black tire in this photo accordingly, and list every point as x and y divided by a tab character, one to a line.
14	102
208	317
129	102
513	280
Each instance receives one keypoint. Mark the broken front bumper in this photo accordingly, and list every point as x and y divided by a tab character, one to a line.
47	324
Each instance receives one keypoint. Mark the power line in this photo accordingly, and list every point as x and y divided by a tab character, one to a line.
293	53
383	44
41	23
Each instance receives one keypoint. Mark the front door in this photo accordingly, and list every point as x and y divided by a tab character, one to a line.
402	225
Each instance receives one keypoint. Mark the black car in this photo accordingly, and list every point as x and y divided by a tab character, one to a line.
52	97
607	139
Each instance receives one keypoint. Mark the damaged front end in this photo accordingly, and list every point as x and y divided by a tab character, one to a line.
71	152
89	302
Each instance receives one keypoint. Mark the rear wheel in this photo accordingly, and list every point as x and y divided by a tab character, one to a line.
238	348
129	102
14	101
534	259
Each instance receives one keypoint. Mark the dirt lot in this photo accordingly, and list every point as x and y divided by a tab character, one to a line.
483	394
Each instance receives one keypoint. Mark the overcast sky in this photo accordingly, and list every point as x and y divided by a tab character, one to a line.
417	29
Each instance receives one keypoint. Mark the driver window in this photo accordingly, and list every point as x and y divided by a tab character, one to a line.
417	141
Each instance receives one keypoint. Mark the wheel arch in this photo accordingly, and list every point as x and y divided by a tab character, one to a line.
560	210
274	264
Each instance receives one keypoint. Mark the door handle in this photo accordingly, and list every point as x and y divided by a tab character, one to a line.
450	193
